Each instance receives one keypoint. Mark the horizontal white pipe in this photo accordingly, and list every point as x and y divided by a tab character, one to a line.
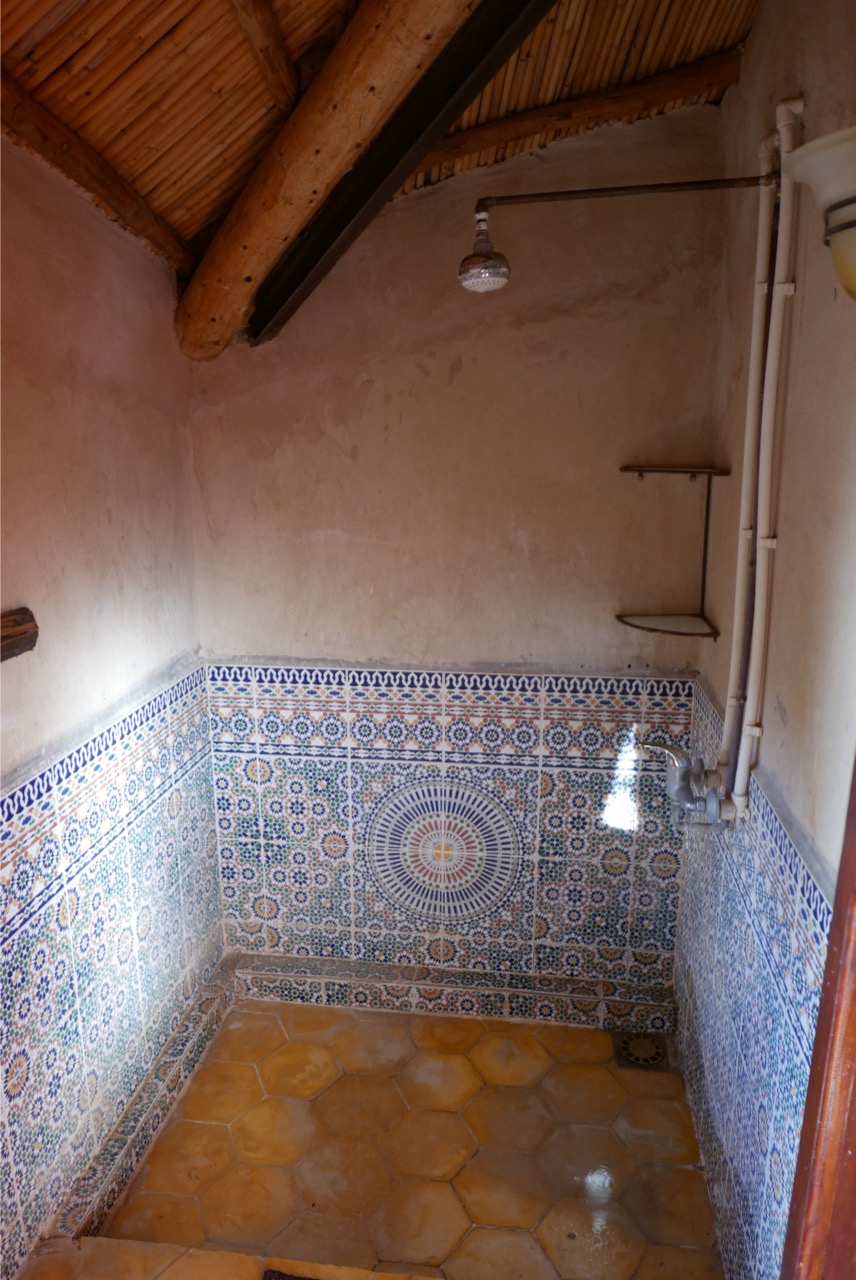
750	447
786	123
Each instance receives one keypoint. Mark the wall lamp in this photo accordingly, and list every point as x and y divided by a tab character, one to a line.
485	269
828	166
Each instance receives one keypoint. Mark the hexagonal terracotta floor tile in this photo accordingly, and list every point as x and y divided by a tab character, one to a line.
401	1268
187	1156
658	1130
582	1094
355	1106
440	1081
428	1144
299	1070
163	1219
671	1206
501	1189
275	1131
248	1205
666	1262
575	1044
326	1237
246	1037
512	1255
341	1177
511	1058
512	1119
375	1046
220	1091
446	1035
418	1221
587	1160
318	1023
649	1084
591	1242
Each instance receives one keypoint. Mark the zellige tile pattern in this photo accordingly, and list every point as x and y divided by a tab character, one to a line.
751	950
109	883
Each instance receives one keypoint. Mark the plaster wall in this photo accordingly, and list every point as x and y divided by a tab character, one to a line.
96	527
413	475
809	713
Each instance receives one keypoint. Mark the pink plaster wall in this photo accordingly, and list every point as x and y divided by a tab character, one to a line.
413	474
96	527
809	714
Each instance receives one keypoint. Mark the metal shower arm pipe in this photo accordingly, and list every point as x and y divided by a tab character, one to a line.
485	203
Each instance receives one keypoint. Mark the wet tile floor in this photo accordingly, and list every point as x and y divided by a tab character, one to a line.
436	1146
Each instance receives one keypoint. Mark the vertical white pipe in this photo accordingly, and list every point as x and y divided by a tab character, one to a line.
766	202
786	123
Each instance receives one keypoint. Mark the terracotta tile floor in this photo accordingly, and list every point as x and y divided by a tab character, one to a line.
436	1146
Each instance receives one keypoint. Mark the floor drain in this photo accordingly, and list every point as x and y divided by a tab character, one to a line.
640	1051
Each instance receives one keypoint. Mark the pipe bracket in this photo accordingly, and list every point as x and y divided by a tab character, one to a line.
769	544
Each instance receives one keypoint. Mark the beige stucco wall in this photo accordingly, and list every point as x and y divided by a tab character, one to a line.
413	474
95	515
809	714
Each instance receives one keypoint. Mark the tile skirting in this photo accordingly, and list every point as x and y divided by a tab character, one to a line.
424	989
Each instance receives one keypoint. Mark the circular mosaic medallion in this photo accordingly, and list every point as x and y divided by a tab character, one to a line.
443	851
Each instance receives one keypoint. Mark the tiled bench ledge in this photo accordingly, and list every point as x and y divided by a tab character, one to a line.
612	1005
104	1259
96	1191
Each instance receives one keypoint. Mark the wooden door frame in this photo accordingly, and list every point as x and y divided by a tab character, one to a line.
821	1237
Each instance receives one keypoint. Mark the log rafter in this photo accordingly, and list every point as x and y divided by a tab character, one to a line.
380	56
31	126
691	80
264	36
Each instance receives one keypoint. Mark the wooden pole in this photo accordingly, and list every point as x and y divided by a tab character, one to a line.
263	34
32	127
381	55
707	75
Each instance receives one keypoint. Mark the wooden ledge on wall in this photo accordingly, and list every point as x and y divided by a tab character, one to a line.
19	633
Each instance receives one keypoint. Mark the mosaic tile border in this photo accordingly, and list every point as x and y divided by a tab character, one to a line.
97	1189
751	949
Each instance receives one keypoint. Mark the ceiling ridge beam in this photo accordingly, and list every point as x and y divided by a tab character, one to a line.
362	93
264	36
605	106
27	123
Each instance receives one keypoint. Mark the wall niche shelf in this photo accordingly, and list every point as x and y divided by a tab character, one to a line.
679	624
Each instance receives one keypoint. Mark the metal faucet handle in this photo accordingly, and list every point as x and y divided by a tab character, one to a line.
677	757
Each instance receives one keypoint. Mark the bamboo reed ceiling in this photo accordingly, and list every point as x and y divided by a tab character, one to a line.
177	101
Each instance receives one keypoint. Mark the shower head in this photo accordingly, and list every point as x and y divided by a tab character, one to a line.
484	269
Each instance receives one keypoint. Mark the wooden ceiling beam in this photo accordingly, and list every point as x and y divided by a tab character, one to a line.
362	93
28	124
691	80
264	36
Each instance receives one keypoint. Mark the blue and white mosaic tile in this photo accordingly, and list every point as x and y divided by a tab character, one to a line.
752	935
101	857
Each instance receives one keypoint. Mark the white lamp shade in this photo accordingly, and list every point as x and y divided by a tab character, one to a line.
828	166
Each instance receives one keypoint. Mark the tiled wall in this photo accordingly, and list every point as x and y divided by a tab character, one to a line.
317	771
539	859
111	918
751	950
